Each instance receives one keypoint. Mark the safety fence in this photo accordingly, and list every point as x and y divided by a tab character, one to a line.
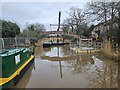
8	43
86	43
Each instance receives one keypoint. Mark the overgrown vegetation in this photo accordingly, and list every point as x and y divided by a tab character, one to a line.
110	52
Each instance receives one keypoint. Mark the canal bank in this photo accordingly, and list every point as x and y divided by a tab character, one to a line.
70	70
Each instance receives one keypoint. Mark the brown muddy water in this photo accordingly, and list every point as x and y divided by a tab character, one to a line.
59	67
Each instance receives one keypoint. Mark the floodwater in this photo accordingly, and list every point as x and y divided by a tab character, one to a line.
59	67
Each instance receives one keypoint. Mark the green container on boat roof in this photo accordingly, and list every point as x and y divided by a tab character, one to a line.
26	54
12	60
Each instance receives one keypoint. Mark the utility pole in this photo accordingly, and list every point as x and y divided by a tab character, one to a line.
58	26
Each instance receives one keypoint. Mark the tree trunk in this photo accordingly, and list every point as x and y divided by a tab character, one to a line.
112	22
118	75
119	28
105	18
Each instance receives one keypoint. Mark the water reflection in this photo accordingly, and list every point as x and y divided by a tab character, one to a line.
99	73
119	75
106	76
59	67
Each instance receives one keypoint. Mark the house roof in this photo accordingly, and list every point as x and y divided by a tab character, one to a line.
108	22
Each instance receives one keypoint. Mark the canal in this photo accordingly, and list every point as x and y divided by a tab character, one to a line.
59	67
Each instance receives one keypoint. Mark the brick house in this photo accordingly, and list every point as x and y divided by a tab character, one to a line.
102	28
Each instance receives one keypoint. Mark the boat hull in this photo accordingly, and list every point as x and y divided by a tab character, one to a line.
53	44
13	64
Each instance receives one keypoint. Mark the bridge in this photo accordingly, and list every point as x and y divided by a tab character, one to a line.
59	36
41	41
58	33
61	33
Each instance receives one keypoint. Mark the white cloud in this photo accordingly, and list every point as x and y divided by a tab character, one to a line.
0	10
32	12
45	0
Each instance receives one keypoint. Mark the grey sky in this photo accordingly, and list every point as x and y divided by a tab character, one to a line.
32	12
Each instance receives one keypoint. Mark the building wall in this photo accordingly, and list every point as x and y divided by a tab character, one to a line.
102	29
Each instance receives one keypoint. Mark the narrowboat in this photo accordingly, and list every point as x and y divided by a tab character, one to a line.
13	64
60	43
46	44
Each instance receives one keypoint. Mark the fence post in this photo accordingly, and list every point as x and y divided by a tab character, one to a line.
15	42
3	43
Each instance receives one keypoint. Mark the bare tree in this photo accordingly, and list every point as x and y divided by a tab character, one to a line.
99	12
76	20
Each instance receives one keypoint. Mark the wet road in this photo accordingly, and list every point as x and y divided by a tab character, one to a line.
59	67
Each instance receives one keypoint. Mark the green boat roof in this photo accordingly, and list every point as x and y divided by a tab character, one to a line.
12	51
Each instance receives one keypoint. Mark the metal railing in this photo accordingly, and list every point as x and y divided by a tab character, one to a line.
95	45
8	43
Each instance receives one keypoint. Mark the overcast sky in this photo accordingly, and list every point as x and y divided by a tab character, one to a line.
37	12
